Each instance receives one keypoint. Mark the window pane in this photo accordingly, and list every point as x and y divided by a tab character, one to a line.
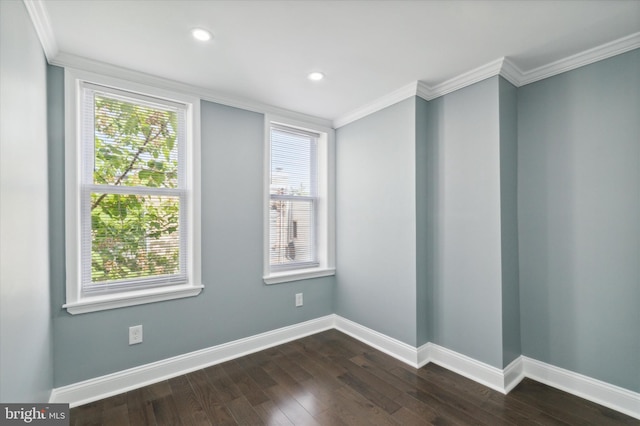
292	163
135	144
291	232
134	236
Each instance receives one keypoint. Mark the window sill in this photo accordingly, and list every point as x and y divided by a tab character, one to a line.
120	300
296	275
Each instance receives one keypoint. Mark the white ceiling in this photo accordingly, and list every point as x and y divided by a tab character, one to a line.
263	50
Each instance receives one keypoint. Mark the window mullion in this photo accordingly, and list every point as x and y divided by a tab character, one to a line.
141	190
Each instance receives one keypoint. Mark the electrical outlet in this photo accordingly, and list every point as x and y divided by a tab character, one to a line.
299	299
135	335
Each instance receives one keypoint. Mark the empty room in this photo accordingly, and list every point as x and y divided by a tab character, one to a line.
320	212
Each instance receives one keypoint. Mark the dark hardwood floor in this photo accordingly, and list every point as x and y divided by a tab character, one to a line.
332	379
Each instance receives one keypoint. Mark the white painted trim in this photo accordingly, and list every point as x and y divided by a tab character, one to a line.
123	381
513	374
468	367
468	78
502	66
75	302
389	99
64	59
614	397
427	92
424	91
325	208
511	72
424	354
297	275
392	347
503	381
581	59
121	300
42	24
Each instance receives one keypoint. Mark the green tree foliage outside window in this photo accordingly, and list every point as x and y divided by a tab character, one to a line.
134	235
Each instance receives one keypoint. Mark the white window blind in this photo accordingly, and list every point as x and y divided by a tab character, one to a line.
132	191
293	198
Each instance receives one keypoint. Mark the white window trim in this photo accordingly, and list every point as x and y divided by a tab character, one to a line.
326	203
76	303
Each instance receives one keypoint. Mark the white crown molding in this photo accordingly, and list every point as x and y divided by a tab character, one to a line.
511	72
503	67
64	59
42	24
424	91
581	59
500	66
392	98
123	381
468	78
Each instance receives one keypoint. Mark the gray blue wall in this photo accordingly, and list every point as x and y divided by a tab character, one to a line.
511	339
579	219
424	242
235	302
466	291
26	351
376	221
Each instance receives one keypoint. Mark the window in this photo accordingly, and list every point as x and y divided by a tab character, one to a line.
131	215
299	215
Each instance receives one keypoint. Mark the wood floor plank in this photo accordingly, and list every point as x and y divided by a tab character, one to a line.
404	416
365	411
299	391
210	398
370	393
295	412
475	393
271	414
327	364
249	388
334	403
117	415
331	379
369	379
426	390
290	362
189	408
140	410
433	413
87	415
156	391
166	412
330	418
226	389
243	412
317	367
565	407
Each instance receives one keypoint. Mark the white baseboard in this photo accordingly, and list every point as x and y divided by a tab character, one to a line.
513	374
123	381
477	371
614	397
395	348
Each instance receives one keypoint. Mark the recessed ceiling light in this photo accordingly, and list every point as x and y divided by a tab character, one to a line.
201	34
315	76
